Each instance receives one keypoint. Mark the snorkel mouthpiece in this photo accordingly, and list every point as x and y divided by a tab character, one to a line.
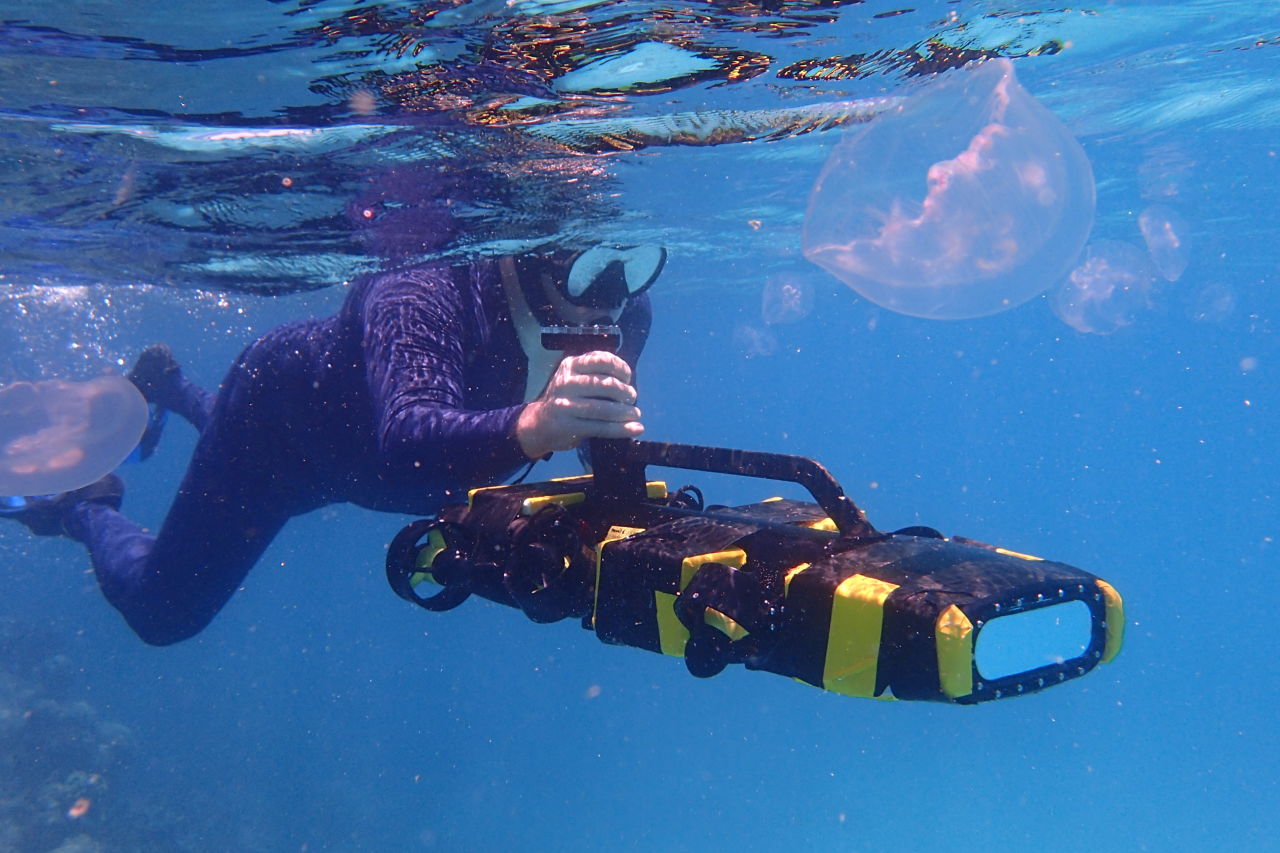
579	340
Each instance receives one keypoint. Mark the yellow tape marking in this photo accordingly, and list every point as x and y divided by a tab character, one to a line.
786	579
953	633
1019	555
724	623
853	643
672	635
532	505
1114	605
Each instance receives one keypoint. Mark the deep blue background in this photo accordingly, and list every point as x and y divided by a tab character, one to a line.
320	712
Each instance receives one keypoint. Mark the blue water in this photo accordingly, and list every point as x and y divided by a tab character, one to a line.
320	712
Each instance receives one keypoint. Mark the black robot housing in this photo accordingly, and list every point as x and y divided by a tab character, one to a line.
808	590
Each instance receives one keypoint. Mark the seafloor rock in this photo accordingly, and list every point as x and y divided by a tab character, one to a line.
58	756
79	844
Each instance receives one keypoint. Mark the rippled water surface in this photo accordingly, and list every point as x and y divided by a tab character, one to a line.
252	146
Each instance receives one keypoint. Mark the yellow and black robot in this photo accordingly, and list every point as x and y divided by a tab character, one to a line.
806	590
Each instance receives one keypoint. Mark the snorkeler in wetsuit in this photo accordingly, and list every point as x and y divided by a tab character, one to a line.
428	381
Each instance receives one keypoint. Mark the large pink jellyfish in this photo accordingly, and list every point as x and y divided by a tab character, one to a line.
969	199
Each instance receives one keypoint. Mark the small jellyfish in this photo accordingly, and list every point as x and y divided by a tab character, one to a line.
1107	290
754	342
1165	234
787	298
1165	168
1214	304
60	435
967	200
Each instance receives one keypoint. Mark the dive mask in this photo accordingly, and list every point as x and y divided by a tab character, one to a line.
602	277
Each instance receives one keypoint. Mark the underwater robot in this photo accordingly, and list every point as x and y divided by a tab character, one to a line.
808	590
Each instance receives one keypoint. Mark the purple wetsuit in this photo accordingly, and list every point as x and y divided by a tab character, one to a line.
402	401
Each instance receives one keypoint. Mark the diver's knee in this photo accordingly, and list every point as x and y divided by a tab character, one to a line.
166	629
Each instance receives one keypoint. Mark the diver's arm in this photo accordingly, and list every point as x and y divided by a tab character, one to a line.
415	335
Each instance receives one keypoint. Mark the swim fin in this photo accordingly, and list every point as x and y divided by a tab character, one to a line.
44	515
158	376
157	417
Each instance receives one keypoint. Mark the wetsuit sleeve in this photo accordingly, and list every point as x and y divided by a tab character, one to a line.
418	327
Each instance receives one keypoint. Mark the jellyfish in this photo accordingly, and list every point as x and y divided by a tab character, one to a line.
754	342
967	200
787	298
1165	234
60	435
1107	290
1215	303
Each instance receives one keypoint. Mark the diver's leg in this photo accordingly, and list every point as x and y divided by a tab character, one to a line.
244	481
169	587
159	377
226	513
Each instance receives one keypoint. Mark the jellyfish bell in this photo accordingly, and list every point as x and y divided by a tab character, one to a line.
1164	232
786	298
1109	290
967	200
59	435
755	342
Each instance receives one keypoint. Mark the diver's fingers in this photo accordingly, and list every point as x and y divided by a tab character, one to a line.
600	363
597	386
601	429
594	409
560	423
577	429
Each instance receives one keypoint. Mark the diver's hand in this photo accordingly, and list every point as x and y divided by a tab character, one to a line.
589	396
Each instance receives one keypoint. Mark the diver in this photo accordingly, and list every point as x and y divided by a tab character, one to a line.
428	381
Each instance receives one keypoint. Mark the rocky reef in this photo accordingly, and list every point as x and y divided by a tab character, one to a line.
59	759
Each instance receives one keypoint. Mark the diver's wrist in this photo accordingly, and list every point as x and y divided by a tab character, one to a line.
530	433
